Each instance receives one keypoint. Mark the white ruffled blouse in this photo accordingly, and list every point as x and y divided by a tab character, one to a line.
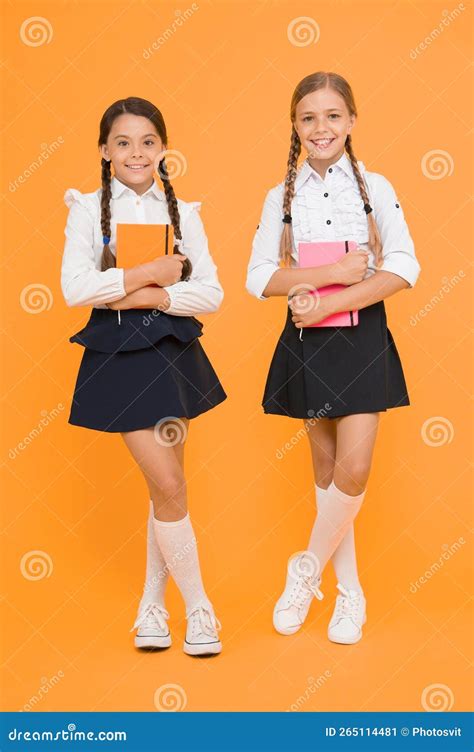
82	282
332	209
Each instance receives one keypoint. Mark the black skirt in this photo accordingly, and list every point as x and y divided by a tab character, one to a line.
336	371
138	369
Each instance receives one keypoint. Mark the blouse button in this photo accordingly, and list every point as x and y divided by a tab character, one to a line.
330	169
328	221
326	195
397	205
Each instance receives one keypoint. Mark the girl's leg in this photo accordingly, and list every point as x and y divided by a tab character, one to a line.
322	436
174	534
355	440
157	574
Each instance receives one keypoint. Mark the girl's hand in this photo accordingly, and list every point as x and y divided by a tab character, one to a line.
352	268
166	270
309	309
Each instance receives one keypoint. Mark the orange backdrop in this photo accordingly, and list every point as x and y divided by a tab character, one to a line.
75	505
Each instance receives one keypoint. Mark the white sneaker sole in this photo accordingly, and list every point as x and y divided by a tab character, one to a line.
347	640
152	641
205	648
284	630
287	630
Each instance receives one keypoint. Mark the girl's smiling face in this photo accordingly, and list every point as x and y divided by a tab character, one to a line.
323	122
134	148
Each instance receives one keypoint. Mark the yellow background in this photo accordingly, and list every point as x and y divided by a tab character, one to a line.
224	81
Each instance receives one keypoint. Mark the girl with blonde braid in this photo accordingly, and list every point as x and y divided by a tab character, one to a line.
336	379
144	373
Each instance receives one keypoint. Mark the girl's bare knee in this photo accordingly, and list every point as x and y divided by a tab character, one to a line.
352	477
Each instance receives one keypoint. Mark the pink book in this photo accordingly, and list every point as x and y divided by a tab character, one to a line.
319	254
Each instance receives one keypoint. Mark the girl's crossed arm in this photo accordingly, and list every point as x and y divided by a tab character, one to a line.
400	268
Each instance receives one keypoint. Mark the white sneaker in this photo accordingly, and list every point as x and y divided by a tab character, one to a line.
153	631
293	605
201	632
348	618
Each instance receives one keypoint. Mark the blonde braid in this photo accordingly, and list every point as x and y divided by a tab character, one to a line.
286	245
375	242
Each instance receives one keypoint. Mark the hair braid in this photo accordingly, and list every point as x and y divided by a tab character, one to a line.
174	214
286	243
108	259
375	242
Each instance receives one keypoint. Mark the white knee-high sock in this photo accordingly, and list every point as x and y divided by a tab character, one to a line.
157	574
344	558
331	527
179	548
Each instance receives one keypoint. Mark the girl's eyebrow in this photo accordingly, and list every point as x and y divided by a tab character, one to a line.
331	109
122	135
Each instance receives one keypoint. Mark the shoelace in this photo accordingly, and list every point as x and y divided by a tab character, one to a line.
347	604
203	621
151	615
306	588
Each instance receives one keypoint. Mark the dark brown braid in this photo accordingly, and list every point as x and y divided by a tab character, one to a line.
286	242
143	108
108	258
173	211
375	242
313	82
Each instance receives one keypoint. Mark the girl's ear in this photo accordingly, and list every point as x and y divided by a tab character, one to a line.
352	122
104	152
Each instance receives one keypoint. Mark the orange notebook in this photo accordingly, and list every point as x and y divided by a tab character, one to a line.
137	243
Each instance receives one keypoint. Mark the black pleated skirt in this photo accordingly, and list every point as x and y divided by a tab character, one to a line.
336	371
139	369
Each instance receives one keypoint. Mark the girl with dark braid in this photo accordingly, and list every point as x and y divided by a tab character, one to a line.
337	379
144	373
